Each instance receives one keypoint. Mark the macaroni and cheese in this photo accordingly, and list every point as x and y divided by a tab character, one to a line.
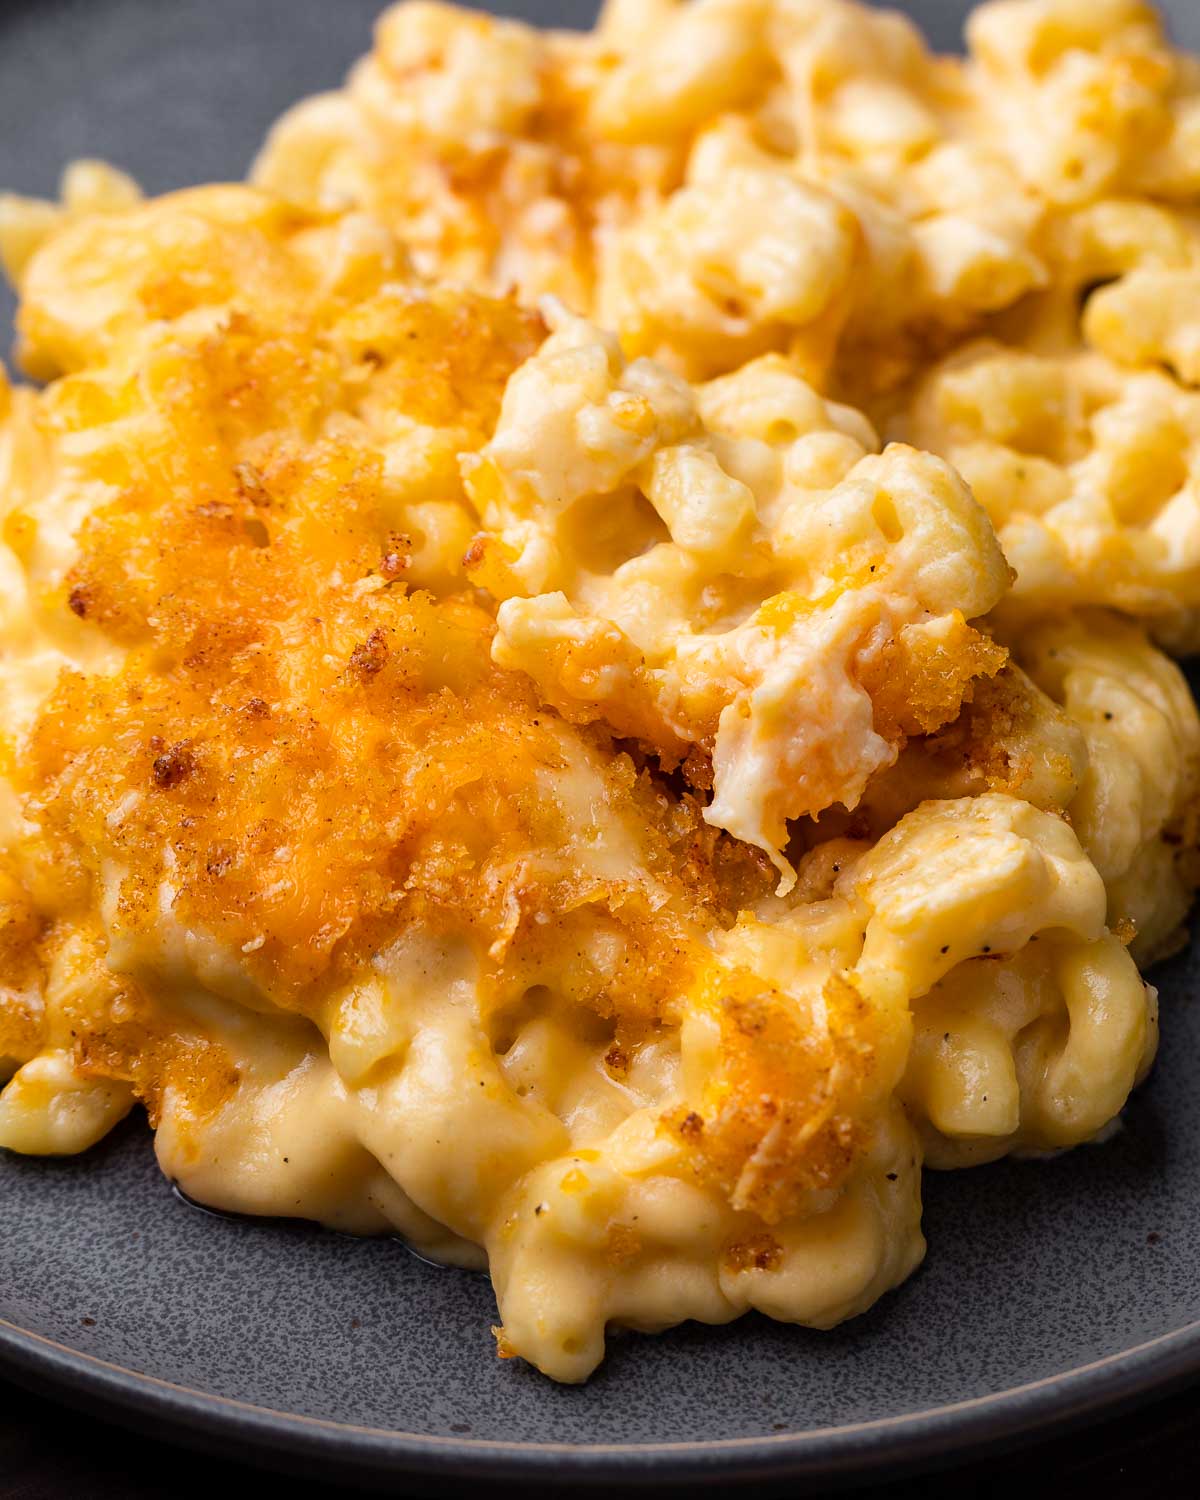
583	667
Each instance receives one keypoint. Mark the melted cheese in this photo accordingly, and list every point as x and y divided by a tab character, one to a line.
368	657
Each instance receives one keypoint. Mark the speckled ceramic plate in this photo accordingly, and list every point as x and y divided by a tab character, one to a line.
1052	1292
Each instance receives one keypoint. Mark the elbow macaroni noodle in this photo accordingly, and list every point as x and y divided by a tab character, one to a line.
715	180
536	773
1136	804
1085	470
829	584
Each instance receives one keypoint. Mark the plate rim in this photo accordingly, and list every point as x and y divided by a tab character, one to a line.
935	1436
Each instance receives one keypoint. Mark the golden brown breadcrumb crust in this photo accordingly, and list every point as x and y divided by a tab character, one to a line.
20	970
301	758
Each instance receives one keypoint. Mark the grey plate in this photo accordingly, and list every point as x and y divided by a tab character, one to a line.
1052	1292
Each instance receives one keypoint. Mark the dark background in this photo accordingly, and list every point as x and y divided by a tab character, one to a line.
77	83
49	1454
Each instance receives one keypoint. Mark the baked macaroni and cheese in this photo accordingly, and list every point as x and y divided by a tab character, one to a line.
583	665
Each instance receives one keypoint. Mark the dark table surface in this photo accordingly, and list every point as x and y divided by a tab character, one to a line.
50	1453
